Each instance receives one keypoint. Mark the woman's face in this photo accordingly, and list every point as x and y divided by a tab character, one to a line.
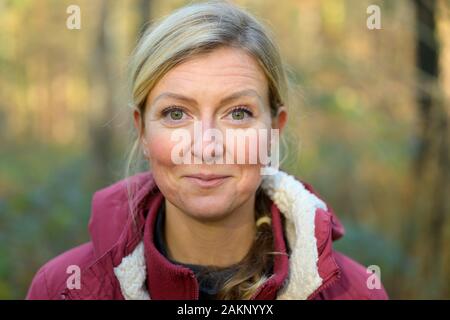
194	94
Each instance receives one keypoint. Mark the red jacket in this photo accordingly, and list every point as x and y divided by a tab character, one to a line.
116	235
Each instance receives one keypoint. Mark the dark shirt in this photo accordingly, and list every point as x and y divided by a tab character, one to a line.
210	281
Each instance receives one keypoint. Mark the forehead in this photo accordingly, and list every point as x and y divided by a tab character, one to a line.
213	75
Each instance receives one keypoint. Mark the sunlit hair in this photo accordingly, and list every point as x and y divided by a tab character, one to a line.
191	31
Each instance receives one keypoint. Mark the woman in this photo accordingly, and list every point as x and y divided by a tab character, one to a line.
206	229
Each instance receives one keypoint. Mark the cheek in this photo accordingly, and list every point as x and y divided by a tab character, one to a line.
163	169
249	180
160	147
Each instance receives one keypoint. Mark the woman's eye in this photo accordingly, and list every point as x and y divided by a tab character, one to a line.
176	114
173	113
240	114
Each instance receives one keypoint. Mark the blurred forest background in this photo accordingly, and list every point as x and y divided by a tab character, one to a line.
371	128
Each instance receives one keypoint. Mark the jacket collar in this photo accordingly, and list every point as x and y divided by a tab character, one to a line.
310	228
116	239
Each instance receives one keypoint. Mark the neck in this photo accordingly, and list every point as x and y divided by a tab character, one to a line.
218	243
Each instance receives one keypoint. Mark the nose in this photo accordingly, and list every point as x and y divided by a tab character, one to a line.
208	145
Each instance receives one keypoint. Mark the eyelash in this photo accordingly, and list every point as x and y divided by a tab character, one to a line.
243	108
165	112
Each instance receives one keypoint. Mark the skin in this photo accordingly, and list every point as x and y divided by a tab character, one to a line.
215	225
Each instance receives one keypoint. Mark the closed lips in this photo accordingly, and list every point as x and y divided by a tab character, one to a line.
206	181
207	177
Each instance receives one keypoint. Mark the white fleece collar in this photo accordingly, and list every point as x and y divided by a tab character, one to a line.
298	206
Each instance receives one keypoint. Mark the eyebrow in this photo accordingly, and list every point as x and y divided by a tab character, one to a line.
231	97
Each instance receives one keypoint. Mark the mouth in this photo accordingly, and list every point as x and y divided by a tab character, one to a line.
206	180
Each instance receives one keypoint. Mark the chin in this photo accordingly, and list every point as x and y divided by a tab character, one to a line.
208	208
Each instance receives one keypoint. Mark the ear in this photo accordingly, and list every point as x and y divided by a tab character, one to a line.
138	121
279	122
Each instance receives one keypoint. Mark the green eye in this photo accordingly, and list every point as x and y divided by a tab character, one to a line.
241	113
176	114
238	114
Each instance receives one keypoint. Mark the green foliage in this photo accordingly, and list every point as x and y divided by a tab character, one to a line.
44	210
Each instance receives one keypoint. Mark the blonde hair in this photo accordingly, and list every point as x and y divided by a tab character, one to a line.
197	29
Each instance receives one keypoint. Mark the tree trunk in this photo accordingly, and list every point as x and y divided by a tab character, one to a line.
430	176
103	103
